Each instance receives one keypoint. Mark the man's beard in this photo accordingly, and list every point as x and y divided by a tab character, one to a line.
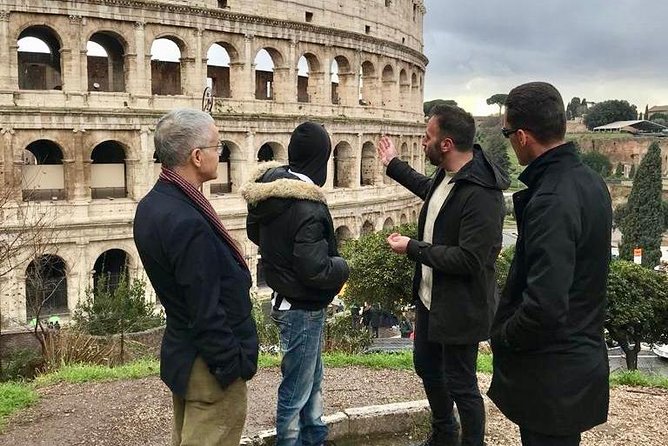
434	155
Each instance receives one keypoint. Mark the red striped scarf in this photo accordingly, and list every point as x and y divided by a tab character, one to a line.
169	176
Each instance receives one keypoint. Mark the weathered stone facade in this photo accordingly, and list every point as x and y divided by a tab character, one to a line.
76	136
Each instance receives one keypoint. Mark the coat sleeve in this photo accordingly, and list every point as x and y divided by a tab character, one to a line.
252	229
479	233
316	268
408	177
552	229
198	269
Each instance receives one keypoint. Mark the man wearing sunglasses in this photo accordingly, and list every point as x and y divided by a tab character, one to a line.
550	359
454	287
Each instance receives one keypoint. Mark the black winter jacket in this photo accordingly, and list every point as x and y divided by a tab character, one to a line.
289	220
203	289
550	359
464	248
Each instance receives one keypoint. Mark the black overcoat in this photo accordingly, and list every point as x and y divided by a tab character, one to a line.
550	358
204	291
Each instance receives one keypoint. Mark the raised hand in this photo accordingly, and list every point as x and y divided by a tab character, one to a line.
386	150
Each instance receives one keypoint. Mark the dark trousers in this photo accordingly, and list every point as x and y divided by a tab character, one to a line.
448	374
530	438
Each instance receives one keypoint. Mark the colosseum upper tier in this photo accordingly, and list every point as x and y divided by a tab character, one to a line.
82	85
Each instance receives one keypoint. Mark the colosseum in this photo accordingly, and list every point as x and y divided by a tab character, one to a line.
82	85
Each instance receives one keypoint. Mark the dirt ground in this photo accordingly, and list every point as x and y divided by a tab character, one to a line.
138	412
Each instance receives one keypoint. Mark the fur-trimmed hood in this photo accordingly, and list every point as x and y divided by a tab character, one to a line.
273	189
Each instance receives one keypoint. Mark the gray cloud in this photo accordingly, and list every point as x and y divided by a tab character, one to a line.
573	43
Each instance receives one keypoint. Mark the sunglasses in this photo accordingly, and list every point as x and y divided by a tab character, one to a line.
507	132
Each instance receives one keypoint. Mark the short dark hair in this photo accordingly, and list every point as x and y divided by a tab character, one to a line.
455	123
538	108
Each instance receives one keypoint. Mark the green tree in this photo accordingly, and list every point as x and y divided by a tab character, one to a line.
642	225
632	171
496	147
573	109
598	162
637	308
659	118
427	106
498	99
107	310
378	275
609	111
503	265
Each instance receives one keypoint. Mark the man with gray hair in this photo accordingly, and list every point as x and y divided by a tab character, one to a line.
210	347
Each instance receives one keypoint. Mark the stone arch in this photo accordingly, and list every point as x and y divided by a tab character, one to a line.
368	84
309	77
344	163
342	234
404	89
389	83
42	172
229	169
416	156
265	75
403	219
111	266
106	72
404	153
414	216
219	57
367	228
108	171
368	165
46	286
166	68
388	224
271	151
39	65
342	80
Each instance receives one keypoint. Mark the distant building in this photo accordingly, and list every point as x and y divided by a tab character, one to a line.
657	109
634	127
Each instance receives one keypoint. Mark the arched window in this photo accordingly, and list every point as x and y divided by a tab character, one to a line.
39	61
306	83
111	266
342	234
108	173
342	78
367	228
368	84
388	224
42	174
218	69
343	165
46	286
368	168
105	61
165	67
265	61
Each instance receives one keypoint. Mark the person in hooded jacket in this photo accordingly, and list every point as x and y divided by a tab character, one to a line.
459	239
289	220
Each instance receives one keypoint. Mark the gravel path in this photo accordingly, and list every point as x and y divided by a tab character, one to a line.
138	412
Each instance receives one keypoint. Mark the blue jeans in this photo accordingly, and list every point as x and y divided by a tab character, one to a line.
299	410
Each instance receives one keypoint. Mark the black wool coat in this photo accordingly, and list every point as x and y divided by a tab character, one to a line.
289	221
203	289
465	244
550	358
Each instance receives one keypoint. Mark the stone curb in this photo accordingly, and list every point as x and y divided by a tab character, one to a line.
361	421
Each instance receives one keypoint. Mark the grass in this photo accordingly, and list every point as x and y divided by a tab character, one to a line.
15	396
81	373
638	379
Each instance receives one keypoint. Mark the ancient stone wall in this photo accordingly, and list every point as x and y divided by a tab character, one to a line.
81	124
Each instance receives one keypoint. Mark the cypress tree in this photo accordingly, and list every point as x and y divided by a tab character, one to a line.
642	225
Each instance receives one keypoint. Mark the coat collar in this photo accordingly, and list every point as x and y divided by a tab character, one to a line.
564	154
287	186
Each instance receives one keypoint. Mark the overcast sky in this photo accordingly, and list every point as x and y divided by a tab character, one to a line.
596	49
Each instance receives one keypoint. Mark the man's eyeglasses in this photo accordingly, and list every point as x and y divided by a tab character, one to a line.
507	132
219	147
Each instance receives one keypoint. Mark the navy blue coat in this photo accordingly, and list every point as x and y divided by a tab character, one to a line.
204	290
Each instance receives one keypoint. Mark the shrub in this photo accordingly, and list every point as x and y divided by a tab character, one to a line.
377	275
342	336
267	331
109	310
637	308
503	265
71	346
23	364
